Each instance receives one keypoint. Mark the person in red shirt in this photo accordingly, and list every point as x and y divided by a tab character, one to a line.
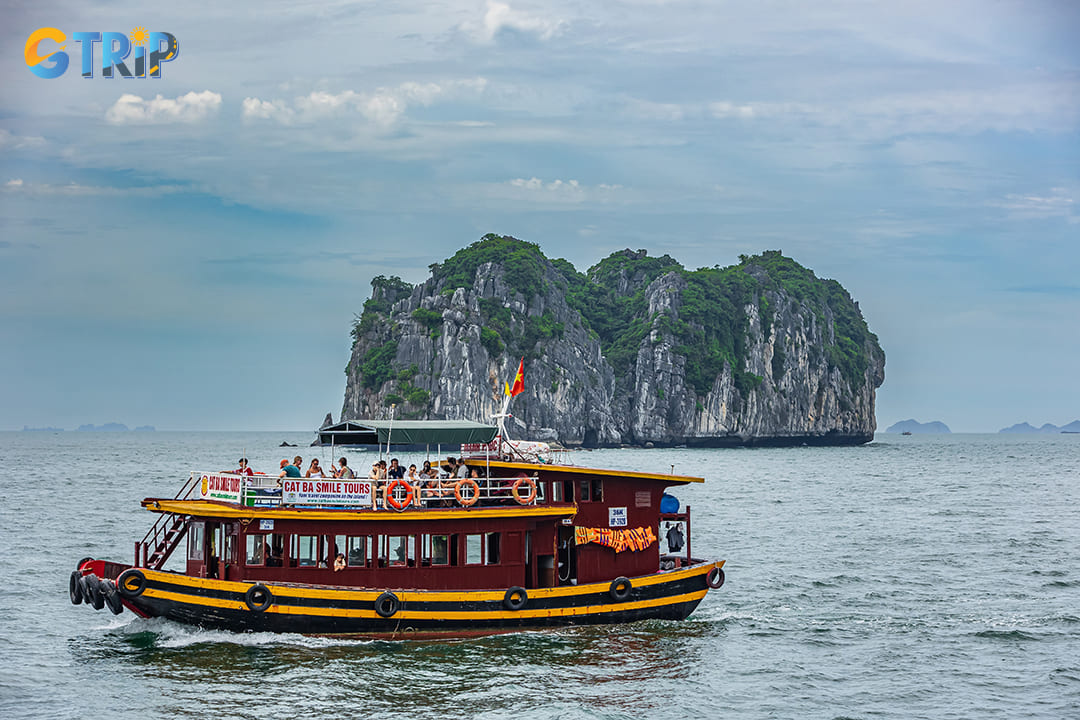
243	469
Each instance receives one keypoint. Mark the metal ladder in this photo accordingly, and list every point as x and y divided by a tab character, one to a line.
165	534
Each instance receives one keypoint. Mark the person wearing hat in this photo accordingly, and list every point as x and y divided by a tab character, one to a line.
289	470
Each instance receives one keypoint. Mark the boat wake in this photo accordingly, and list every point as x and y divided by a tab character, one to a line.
159	633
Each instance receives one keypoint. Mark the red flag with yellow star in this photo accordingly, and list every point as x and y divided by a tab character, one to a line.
519	381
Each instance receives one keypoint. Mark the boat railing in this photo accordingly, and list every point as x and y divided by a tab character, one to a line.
363	493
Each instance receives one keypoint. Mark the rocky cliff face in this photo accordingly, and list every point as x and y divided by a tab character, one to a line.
637	351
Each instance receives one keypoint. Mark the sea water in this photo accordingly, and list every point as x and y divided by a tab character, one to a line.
913	577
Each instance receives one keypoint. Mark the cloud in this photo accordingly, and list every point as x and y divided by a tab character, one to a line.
8	141
558	191
190	108
17	185
384	107
499	17
1059	202
1029	107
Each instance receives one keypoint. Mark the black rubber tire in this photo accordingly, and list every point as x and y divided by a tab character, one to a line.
620	588
75	587
112	597
258	598
92	586
515	598
387	604
131	583
715	578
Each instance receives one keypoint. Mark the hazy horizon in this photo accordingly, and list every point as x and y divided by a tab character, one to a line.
190	251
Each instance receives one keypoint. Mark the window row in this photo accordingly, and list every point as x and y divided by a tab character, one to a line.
370	551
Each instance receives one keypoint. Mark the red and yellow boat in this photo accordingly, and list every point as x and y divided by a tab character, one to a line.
521	544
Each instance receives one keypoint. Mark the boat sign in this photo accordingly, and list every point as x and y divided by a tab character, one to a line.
215	486
617	517
326	492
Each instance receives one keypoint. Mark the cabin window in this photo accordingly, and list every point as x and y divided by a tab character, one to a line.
482	549
230	544
196	540
398	550
491	554
584	491
304	550
256	549
474	549
357	550
597	490
556	491
275	549
434	550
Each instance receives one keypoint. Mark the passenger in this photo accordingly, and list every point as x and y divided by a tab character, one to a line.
339	562
299	463
382	469
243	469
462	468
451	467
314	471
411	475
345	472
396	472
426	471
288	470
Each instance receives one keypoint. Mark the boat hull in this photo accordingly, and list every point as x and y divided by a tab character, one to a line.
328	610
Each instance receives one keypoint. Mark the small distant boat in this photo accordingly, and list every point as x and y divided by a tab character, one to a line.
906	432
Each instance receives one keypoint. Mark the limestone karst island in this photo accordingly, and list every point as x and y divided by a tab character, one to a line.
637	350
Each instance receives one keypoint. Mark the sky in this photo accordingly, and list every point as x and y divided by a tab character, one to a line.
189	251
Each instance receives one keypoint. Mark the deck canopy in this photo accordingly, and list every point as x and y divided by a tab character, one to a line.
406	432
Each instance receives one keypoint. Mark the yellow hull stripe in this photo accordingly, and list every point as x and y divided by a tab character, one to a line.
207	508
360	594
429	614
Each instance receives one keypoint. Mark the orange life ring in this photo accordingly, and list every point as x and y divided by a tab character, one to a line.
475	492
524	480
393	502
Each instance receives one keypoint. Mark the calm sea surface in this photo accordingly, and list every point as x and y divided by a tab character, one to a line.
914	577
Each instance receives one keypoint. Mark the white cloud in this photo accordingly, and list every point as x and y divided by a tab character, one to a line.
1059	202
8	141
384	107
559	191
190	108
76	190
500	16
727	109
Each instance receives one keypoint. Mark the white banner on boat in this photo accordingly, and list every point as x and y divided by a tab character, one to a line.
326	492
215	486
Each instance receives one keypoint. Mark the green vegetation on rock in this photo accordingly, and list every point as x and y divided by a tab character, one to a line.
705	321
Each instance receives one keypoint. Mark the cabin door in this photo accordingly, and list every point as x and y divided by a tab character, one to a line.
212	545
567	557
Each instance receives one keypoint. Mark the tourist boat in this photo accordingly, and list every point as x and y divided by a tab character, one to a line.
521	544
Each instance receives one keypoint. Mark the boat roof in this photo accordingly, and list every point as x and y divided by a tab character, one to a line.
579	470
211	508
406	432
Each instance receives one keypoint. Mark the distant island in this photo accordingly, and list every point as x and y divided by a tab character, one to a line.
42	429
114	427
914	426
1073	427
